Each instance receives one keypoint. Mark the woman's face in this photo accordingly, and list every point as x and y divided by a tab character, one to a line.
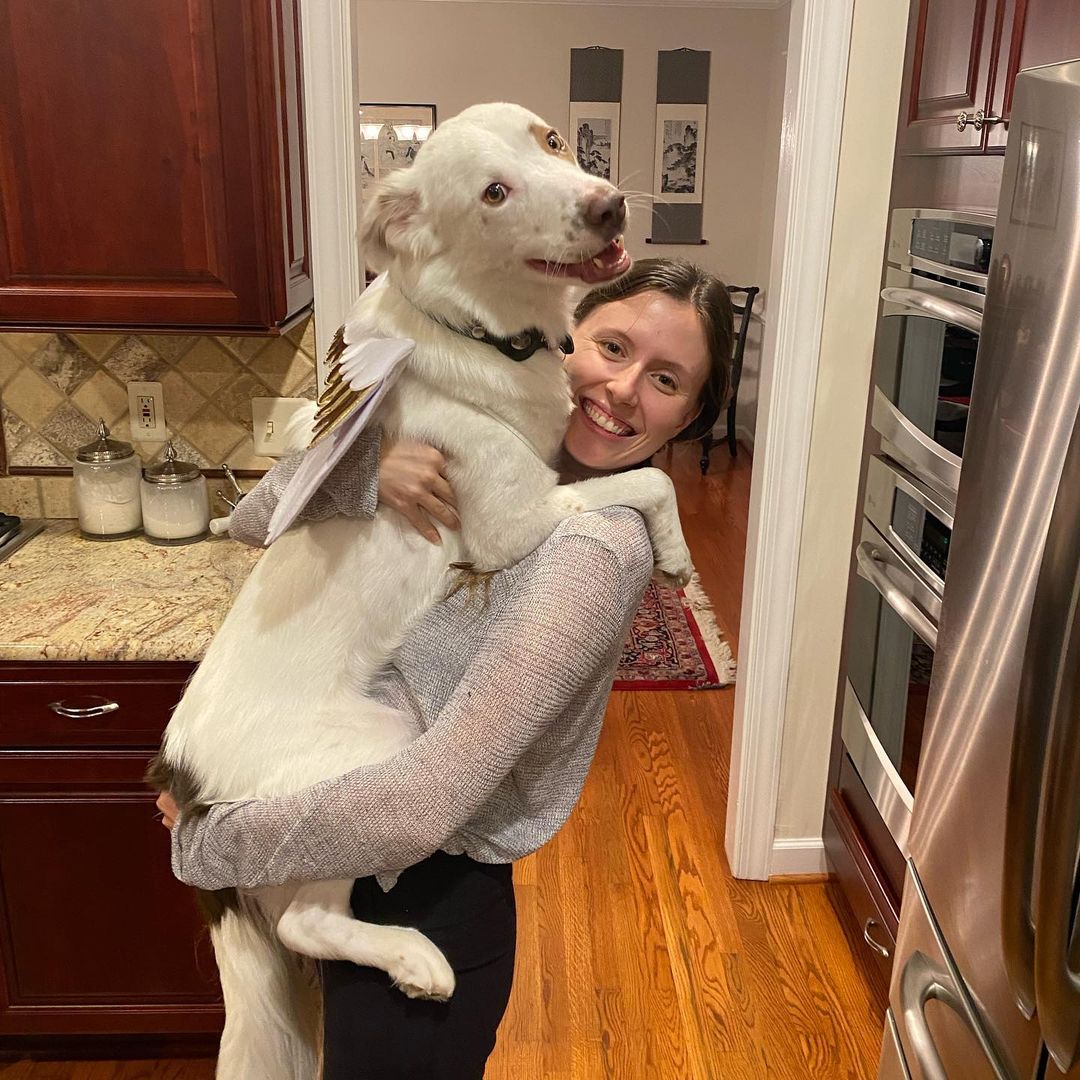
636	373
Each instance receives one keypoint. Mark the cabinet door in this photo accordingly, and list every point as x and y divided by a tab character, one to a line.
950	61
96	935
146	172
1037	32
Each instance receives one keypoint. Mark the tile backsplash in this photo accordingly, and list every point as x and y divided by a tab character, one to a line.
54	387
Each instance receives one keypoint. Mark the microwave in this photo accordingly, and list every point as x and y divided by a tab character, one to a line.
928	337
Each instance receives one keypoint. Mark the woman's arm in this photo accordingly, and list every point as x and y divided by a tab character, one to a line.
565	621
409	477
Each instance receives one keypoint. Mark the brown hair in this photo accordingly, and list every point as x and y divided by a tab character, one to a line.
708	295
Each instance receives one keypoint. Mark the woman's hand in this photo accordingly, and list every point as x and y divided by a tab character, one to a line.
412	480
169	810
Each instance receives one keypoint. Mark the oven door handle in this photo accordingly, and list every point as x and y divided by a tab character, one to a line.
872	561
936	307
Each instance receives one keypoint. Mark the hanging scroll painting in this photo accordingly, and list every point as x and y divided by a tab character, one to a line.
594	134
680	153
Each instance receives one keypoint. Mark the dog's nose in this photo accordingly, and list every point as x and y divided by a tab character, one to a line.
606	213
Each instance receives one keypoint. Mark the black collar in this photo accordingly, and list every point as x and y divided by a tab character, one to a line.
518	347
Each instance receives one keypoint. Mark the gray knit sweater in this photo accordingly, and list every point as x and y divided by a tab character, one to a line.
507	699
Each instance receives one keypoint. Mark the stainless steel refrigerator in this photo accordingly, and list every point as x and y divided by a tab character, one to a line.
986	979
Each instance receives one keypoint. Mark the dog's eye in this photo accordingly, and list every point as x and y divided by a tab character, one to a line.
495	194
554	142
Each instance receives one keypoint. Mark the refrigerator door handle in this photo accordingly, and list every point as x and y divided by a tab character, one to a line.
936	307
872	560
920	982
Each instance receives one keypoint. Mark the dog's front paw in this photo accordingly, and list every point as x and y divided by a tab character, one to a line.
674	566
419	969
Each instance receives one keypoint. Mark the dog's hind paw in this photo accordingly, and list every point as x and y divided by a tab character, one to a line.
419	969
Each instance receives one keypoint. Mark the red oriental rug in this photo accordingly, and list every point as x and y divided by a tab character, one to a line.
675	644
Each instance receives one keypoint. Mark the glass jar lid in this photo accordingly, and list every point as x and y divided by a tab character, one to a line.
171	471
103	448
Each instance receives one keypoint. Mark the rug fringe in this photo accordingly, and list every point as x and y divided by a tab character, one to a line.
697	600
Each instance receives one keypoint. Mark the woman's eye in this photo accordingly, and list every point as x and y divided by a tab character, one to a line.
495	194
554	141
613	348
667	382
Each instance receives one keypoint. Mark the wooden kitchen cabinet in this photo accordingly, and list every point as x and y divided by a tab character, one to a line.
151	165
963	56
103	950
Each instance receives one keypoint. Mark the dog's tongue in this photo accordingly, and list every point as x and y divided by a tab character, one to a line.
608	264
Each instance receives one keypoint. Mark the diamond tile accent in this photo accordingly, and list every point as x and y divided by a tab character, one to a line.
23	345
15	428
243	347
68	429
281	367
102	397
244	457
31	396
36	452
170	347
132	361
9	364
235	399
302	335
97	345
208	366
212	433
63	363
182	400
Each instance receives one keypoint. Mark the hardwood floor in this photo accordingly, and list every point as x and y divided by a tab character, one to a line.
640	956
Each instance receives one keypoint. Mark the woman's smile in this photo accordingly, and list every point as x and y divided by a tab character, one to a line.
604	420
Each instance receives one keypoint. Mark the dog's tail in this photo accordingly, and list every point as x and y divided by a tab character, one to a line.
272	1003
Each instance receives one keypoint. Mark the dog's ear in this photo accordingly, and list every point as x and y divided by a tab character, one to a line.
392	222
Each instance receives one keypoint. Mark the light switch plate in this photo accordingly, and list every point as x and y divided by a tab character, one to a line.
281	425
146	406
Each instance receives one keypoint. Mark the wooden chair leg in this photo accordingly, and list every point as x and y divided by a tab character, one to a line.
706	446
733	443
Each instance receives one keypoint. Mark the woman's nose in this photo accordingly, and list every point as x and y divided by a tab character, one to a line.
623	388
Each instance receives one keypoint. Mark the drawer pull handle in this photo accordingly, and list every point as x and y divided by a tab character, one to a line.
880	949
87	712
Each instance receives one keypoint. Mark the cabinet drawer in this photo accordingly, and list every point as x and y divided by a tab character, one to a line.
87	705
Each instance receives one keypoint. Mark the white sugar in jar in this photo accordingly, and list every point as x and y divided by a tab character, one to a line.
106	474
175	504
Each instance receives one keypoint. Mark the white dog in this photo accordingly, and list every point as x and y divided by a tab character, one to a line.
488	229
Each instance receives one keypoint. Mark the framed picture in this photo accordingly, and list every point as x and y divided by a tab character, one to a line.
594	135
390	137
680	153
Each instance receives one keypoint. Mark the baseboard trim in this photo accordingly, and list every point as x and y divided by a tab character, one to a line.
798	856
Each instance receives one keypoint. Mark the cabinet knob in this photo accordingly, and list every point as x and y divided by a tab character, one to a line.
100	707
880	949
978	121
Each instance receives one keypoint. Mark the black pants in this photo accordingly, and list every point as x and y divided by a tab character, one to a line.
373	1031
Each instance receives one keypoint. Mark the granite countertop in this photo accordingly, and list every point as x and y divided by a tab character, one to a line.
66	598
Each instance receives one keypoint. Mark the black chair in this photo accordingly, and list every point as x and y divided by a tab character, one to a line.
742	316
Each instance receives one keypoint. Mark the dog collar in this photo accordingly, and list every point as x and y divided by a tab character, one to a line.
518	346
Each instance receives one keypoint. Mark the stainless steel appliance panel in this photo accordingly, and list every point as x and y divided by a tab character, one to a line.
942	1033
894	1065
1023	412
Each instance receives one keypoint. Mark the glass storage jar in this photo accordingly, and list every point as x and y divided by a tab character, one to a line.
106	475
175	505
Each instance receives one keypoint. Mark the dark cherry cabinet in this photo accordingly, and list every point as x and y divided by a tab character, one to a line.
103	951
151	165
963	56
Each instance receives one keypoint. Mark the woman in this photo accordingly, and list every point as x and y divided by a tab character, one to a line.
508	695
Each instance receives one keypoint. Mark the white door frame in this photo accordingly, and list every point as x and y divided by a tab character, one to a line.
813	110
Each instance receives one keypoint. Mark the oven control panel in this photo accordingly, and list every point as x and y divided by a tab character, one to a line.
952	243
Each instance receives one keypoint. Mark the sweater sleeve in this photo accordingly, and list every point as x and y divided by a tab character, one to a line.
559	628
351	489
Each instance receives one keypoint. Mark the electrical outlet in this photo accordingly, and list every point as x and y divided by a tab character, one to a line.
146	404
281	425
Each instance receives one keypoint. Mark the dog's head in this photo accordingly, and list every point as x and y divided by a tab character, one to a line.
496	199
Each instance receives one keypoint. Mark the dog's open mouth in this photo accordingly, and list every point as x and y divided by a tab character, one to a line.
603	266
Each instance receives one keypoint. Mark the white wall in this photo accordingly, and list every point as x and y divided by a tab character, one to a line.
850	320
456	54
